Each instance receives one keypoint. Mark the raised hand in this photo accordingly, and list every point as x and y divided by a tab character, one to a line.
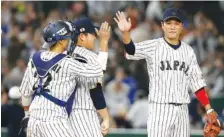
104	32
122	22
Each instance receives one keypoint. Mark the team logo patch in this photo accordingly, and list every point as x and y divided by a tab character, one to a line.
173	13
82	29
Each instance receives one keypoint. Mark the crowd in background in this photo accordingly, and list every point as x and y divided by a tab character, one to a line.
125	82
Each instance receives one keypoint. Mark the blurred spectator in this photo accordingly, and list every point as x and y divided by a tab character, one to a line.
4	106
4	95
14	51
133	13
131	82
14	107
138	112
79	9
195	112
155	10
14	78
217	91
203	39
116	94
140	73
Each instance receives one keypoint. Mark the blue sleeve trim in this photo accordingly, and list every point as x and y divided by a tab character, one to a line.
98	97
130	48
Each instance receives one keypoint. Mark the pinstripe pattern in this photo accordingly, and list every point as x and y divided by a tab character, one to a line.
171	73
51	128
166	120
85	123
65	80
68	72
83	118
82	97
172	83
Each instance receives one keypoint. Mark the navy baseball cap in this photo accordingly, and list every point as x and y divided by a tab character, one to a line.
174	13
85	25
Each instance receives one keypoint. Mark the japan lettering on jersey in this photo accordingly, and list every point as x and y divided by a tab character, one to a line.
171	71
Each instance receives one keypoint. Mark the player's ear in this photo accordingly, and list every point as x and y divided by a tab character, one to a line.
162	24
82	37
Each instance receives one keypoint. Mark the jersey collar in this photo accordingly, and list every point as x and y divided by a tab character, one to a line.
175	47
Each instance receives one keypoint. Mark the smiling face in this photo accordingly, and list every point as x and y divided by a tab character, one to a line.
172	28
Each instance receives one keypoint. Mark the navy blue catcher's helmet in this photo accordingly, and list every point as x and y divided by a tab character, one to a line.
59	30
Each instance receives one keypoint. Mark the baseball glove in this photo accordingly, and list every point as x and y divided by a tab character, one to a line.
212	127
23	124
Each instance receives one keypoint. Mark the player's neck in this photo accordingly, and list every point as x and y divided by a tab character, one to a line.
57	48
80	43
172	41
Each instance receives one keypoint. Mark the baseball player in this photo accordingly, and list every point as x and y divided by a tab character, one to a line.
52	79
172	69
88	103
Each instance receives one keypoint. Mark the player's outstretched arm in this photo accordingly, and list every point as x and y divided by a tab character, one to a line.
124	25
104	35
86	72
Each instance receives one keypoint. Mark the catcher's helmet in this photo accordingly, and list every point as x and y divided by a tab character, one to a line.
56	31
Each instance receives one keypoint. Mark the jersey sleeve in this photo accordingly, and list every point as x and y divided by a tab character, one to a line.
102	59
90	73
142	50
196	79
27	82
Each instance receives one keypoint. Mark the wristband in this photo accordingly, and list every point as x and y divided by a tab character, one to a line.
102	58
209	110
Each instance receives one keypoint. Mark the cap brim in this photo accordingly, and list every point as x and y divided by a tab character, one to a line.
172	17
47	45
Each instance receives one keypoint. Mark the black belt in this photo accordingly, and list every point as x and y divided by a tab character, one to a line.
175	104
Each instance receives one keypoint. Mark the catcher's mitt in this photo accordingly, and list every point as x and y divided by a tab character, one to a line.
212	127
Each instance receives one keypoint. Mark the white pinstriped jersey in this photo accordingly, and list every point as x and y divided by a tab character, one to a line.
63	78
171	71
82	97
